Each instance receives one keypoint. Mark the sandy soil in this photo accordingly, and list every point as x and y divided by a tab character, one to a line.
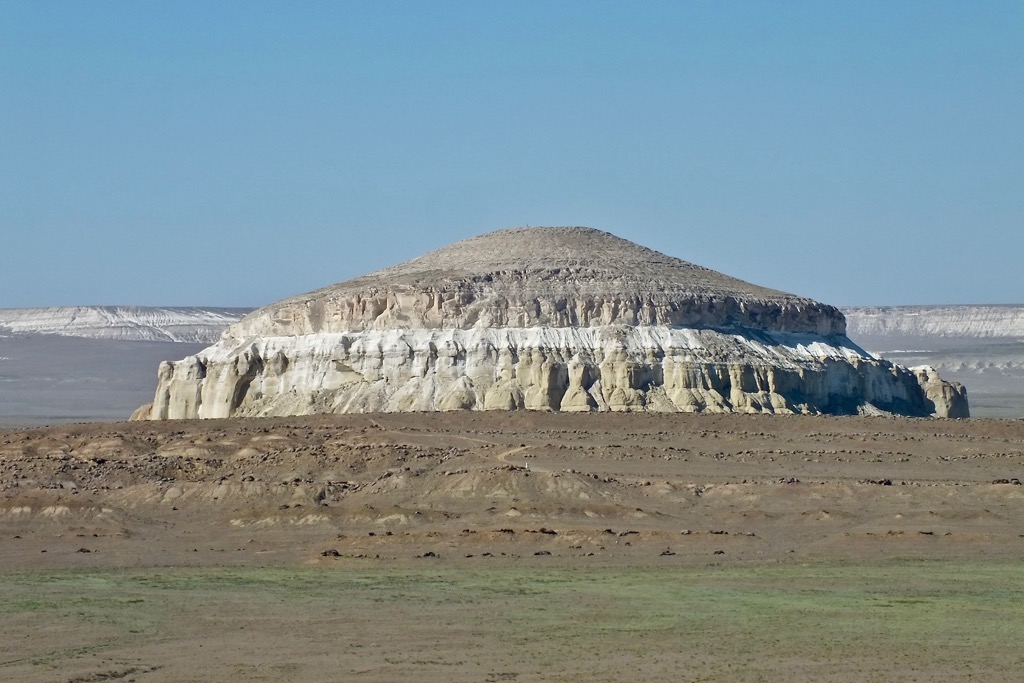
490	492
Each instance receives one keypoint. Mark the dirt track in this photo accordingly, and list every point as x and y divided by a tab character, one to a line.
488	489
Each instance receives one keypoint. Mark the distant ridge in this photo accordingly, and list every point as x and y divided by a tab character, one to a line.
970	321
125	323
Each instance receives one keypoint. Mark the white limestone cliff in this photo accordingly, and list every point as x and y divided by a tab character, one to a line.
568	319
568	369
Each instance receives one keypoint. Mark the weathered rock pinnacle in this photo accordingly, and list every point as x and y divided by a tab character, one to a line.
547	319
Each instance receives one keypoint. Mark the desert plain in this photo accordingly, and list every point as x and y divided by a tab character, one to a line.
522	546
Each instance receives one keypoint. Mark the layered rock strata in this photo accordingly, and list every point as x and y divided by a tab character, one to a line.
568	319
123	323
972	322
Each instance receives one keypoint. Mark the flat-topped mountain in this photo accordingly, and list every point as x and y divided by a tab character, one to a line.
569	319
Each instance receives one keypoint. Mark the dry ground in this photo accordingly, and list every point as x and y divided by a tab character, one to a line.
523	546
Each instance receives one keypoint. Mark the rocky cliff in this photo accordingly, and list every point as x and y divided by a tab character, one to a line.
541	277
568	319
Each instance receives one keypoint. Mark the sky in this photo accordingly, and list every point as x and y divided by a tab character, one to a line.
235	153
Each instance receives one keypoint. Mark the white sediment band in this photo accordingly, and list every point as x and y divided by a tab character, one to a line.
572	369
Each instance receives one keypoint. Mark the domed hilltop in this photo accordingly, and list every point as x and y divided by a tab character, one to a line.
541	277
569	319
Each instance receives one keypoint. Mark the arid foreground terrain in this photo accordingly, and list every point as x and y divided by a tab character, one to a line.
513	547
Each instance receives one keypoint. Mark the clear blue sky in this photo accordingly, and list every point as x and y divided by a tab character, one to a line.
233	153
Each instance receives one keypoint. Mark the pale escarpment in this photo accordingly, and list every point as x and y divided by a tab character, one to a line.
657	369
980	322
125	323
566	319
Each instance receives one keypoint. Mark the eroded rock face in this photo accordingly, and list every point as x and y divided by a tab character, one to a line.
567	319
541	277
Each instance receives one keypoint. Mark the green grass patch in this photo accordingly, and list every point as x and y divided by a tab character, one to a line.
816	622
